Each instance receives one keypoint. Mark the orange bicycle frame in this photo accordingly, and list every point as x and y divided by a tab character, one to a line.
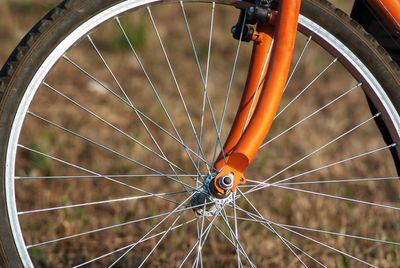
389	11
267	76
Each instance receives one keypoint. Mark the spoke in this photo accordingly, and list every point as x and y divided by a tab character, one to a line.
159	241
311	115
298	62
260	80
271	228
96	177
236	228
341	181
104	228
253	216
126	247
203	238
124	199
89	171
110	71
134	108
80	106
337	163
322	147
287	245
155	92
137	114
204	81
324	245
342	234
110	150
152	229
174	77
228	93
277	183
233	244
199	248
307	87
336	197
236	239
263	223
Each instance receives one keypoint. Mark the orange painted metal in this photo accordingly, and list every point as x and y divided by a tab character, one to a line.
251	93
241	153
389	11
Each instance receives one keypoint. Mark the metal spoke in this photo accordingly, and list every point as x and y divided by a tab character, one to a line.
105	228
124	199
174	77
80	106
111	150
307	87
342	234
204	81
89	171
297	62
325	245
287	245
306	237
260	80
238	245
233	244
336	197
151	230
134	108
137	114
263	223
228	93
110	71
96	177
277	183
127	246
336	163
271	228
236	228
203	238
199	249
158	242
155	92
341	181
322	147
311	115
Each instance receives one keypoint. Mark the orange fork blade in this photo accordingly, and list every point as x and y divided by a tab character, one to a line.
251	93
270	97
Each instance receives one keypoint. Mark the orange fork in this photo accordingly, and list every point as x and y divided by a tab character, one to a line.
263	92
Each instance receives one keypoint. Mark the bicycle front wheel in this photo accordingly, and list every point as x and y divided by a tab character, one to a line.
112	115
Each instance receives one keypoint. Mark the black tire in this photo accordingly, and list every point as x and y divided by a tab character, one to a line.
53	28
363	13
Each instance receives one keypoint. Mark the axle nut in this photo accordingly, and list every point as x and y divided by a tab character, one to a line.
226	182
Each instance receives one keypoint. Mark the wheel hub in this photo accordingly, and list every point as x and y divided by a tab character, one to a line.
208	204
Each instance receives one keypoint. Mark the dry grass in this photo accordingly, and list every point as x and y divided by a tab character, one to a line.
279	205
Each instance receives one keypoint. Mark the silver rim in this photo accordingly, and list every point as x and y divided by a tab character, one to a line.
346	57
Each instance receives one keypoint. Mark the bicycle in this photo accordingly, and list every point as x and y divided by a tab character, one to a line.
120	145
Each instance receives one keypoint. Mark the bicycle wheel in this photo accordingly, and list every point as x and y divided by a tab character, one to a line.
112	113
